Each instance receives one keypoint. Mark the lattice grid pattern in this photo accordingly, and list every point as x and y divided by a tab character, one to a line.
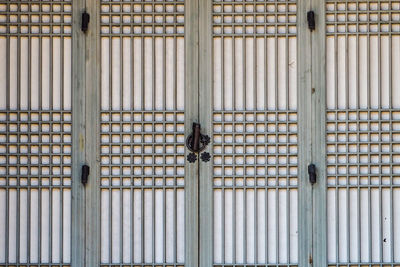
262	18
347	17
363	180
145	145
255	187
362	119
363	143
142	17
36	18
35	133
142	174
35	186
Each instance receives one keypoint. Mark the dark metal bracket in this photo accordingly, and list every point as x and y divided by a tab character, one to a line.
312	173
196	143
85	174
311	20
85	21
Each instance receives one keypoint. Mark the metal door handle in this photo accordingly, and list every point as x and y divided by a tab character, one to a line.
197	142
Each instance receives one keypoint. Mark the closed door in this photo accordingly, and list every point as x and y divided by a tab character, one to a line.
200	122
362	132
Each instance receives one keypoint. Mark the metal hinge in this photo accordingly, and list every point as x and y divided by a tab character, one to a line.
311	20
312	173
85	174
85	21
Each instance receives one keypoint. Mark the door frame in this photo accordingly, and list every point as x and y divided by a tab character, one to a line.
198	92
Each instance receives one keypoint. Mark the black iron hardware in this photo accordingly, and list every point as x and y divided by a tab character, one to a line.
311	20
197	142
85	21
85	174
192	157
205	156
312	173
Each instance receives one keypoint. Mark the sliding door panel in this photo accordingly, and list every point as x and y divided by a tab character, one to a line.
35	133
254	126
363	132
142	176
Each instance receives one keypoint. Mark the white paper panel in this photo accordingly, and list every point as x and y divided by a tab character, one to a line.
363	132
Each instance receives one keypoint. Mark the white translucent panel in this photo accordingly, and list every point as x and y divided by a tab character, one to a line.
282	73
240	230
353	224
55	225
271	73
3	223
293	224
13	76
67	75
137	226
145	72
371	80
137	73
66	234
353	80
12	226
56	73
342	225
260	75
229	231
180	74
105	63
45	225
217	73
341	75
180	225
261	228
23	226
218	227
115	225
126	225
272	226
34	101
385	71
283	226
104	226
376	238
148	69
386	225
127	69
330	73
170	72
159	222
292	73
159	79
249	71
170	221
365	234
45	73
396	223
364	82
331	225
115	66
3	72
250	222
395	70
34	238
230	69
